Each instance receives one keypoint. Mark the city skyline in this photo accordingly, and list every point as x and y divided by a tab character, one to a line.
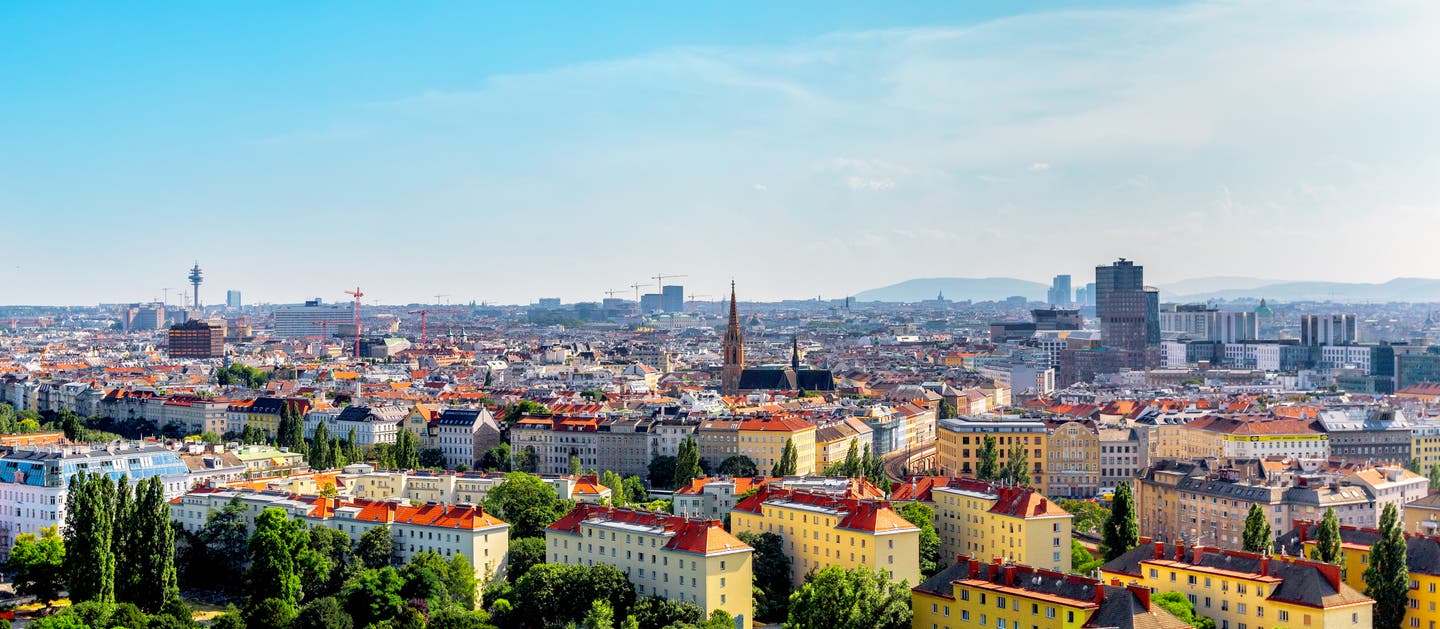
504	156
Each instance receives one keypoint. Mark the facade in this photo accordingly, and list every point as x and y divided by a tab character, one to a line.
1124	310
35	481
1199	322
763	440
1244	590
448	530
1121	457
819	530
460	488
1318	330
370	424
551	440
308	319
263	413
1355	542
1413	368
958	442
196	339
1367	433
1253	437
833	440
983	519
681	559
971	593
464	434
1072	464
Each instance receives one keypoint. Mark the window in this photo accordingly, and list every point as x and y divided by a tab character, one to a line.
1284	616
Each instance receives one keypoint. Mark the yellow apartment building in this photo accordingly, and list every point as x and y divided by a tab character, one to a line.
1008	596
1243	590
763	440
821	530
681	559
989	520
958	442
1422	555
1072	465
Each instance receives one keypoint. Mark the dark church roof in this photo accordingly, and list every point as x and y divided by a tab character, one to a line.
786	379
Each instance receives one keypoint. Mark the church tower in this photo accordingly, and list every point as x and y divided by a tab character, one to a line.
734	350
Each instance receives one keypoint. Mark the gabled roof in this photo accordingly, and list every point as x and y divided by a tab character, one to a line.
691	535
871	516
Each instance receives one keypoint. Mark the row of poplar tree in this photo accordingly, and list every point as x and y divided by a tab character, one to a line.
119	544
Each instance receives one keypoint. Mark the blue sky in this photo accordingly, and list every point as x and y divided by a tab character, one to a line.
507	152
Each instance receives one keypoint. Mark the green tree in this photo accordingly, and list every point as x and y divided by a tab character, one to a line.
273	573
496	459
70	424
923	516
459	619
836	598
527	503
524	553
226	543
635	490
324	613
687	464
738	465
987	466
1387	578
1180	607
850	467
787	465
1414	466
124	537
320	456
600	616
89	526
1017	467
662	469
1434	476
659	612
461	582
1327	539
334	546
616	485
151	549
575	467
271	612
374	596
1087	515
1122	528
376	548
1081	561
555	594
1258	537
771	571
37	565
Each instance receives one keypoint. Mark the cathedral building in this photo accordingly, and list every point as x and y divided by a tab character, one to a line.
736	379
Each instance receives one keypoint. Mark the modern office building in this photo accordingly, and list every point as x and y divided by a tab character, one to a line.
672	298
1198	322
650	302
308	319
1339	329
232	300
196	339
1128	311
1059	294
149	317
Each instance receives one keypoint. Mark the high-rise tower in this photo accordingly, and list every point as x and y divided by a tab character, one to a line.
195	279
733	350
1128	311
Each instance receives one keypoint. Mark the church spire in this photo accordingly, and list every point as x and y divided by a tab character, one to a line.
733	349
795	352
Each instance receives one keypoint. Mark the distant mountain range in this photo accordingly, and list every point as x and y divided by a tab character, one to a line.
1411	289
957	288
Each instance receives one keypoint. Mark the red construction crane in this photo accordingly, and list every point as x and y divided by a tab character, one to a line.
424	326
357	295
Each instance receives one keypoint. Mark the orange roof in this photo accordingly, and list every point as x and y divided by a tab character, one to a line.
742	484
1011	500
782	423
874	516
704	537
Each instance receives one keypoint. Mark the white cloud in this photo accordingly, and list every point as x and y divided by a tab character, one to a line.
1039	167
861	184
760	187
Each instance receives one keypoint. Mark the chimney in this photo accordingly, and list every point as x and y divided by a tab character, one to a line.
1199	553
1099	588
1142	593
1009	575
1159	550
1180	551
1265	565
1301	526
1331	572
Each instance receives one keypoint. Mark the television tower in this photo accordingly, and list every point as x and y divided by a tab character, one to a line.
195	278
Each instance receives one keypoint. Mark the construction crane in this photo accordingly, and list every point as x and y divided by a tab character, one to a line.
357	295
660	281
437	298
165	295
694	297
611	293
637	286
424	325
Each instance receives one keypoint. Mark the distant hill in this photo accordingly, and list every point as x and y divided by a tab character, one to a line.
1414	289
957	288
1203	285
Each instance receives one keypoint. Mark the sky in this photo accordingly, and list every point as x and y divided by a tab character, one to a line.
504	152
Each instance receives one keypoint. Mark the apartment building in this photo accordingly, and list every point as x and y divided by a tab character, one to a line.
971	593
448	530
1246	590
464	434
1120	456
1254	437
371	425
715	497
763	439
958	443
1367	433
553	439
833	439
35	481
1422	557
981	519
681	559
820	530
455	487
1072	465
262	413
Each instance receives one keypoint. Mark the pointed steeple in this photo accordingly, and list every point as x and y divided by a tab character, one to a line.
733	349
795	352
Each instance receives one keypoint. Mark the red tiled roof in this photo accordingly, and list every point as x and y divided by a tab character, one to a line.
1024	502
874	516
689	535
